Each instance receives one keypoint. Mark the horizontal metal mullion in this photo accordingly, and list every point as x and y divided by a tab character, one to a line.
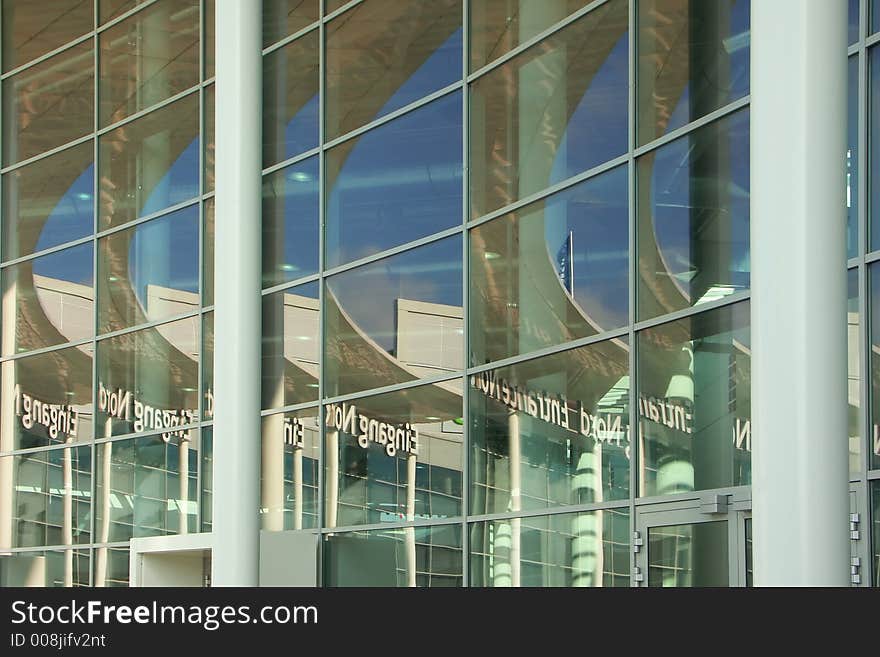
694	495
872	40
341	10
124	15
46	350
685	313
421	522
52	151
872	257
290	408
554	511
148	325
147	433
396	387
53	447
149	217
296	159
45	252
311	278
290	38
49	55
149	110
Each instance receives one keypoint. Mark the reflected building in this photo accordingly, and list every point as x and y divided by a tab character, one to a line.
506	292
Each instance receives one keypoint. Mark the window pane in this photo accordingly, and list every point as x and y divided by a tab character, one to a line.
111	566
210	56
49	202
385	54
150	164
149	379
874	273
47	399
290	99
210	147
31	29
410	556
110	9
852	159
149	272
551	431
553	271
695	402
147	58
282	18
208	253
146	487
207	454
395	457
394	320
52	568
874	146
49	104
689	555
573	117
853	20
50	493
290	223
853	382
290	460
875	531
48	300
396	183
693	59
588	549
208	366
290	346
693	218
497	27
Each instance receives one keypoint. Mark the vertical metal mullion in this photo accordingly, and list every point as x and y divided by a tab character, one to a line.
201	260
322	201
96	212
632	273
465	268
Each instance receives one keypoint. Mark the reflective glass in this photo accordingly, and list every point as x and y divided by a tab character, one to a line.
110	9
209	110
853	20
290	457
394	457
208	253
148	380
290	346
693	59
852	158
551	112
48	300
688	555
875	16
52	568
210	56
282	18
874	282
875	531
579	239
552	431
693	218
405	557
290	99
149	272
874	146
147	58
146	487
290	223
111	567
695	403
852	363
49	497
396	183
589	549
46	399
150	163
497	27
332	5
394	320
208	366
385	54
49	202
49	104
31	29
207	465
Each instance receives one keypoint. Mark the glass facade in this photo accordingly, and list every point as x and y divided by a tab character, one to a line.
506	285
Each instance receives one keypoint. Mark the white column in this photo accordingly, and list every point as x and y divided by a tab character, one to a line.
236	497
798	168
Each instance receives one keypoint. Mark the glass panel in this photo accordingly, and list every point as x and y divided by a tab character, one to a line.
396	183
385	54
207	465
208	182
394	320
693	218
285	17
395	457
875	16
208	253
853	383
146	487
49	495
569	549
693	59
31	29
332	5
497	27
290	99
111	567
290	346
852	159
48	300
853	20
290	223
210	41
208	366
874	283
290	460
551	431
47	399
49	104
149	380
409	556
110	9
52	568
147	58
750	568
874	146
579	239
149	272
573	117
688	555
149	164
695	402
875	531
49	202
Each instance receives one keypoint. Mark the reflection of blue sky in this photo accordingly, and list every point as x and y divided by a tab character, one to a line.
73	265
293	192
369	294
301	132
72	217
180	182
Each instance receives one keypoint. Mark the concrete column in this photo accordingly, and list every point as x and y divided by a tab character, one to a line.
798	257
236	497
